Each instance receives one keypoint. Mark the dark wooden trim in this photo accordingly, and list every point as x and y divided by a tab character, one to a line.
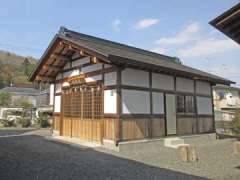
205	115
163	91
185	93
142	116
151	104
135	88
165	114
119	107
186	115
56	114
195	105
213	115
110	115
58	94
110	87
76	67
203	95
90	74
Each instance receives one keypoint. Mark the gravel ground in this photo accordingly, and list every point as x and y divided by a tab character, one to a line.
34	157
216	158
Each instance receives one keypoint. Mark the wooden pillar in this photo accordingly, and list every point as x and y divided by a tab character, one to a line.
213	115
118	124
151	106
195	105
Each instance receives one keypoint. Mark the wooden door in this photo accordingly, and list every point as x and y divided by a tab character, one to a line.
83	113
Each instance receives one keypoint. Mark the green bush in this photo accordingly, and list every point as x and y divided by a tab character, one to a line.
236	122
24	122
7	123
43	121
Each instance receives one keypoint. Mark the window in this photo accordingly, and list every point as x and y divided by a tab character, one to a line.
185	104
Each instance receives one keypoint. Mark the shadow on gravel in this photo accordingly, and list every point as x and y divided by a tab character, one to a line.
33	157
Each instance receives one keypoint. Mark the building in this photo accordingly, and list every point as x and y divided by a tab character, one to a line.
21	92
226	101
228	23
110	92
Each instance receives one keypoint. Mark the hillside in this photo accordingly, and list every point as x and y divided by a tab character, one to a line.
14	68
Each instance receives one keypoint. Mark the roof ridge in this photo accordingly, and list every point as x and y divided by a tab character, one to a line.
65	32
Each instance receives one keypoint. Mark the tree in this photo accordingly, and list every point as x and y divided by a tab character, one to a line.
236	122
5	98
177	60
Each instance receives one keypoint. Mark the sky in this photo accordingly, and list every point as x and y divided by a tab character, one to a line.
171	27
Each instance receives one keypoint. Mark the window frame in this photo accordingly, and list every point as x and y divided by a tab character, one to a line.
187	106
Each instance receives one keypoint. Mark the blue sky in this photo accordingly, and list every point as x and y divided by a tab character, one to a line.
172	27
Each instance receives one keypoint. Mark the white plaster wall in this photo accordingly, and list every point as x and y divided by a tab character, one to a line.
162	81
158	103
91	68
204	105
74	72
57	87
203	88
110	79
185	85
57	104
110	101
135	77
51	94
93	78
81	61
135	102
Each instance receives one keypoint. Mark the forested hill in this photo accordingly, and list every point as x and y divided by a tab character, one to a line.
15	68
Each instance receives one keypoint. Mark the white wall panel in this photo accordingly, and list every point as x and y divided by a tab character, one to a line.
204	105
91	68
110	79
94	78
57	104
185	85
158	103
135	102
135	77
162	81
57	87
203	88
51	94
74	72
110	101
81	61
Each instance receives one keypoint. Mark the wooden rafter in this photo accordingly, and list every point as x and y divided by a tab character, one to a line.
44	79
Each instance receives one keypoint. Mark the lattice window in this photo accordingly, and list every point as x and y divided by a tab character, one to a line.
83	102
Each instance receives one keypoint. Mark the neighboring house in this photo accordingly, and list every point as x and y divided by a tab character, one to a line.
17	93
109	92
226	101
39	99
228	23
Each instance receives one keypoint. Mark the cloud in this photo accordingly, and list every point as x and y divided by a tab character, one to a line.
145	23
159	50
116	25
184	36
209	46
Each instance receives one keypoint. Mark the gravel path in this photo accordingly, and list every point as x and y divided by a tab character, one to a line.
216	158
33	157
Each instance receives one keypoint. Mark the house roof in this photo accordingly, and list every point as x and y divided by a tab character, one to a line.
226	87
124	54
20	90
229	23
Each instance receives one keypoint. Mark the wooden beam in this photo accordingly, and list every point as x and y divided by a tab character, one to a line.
60	57
53	67
44	79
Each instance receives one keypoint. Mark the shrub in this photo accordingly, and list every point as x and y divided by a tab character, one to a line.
236	122
43	121
7	123
25	122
